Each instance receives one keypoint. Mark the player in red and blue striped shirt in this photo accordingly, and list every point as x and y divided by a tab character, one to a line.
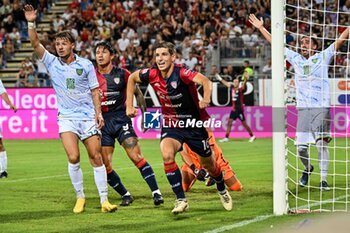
175	86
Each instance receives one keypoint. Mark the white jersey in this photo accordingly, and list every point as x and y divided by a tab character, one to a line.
73	84
2	88
311	77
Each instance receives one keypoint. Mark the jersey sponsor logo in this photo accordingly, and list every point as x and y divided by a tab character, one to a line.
152	120
79	71
157	85
109	93
174	97
173	84
70	83
108	102
173	105
306	70
314	60
169	97
117	80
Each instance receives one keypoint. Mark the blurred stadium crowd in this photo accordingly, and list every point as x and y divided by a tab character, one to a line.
324	20
203	31
198	28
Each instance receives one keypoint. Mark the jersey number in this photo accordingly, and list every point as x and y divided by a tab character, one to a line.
70	82
205	144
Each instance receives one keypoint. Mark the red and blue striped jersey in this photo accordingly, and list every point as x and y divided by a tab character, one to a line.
113	89
177	94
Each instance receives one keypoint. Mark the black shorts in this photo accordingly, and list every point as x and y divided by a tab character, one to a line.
117	126
196	138
239	113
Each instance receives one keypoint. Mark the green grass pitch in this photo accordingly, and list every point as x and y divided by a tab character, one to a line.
38	196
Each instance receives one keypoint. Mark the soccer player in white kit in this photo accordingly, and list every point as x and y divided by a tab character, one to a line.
79	109
3	155
313	98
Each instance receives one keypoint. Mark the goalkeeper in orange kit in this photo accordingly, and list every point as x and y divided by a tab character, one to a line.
192	170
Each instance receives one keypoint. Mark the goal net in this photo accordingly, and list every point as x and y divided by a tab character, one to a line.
307	91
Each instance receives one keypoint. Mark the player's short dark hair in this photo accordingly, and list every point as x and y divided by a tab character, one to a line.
65	35
168	45
105	45
314	39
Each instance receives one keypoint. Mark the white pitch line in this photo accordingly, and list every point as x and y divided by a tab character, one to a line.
240	224
56	176
34	178
263	217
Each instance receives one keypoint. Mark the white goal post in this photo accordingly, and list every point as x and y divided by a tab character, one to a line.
310	174
278	116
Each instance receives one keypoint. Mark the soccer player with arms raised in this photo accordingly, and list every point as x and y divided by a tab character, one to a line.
176	88
313	98
113	81
79	109
3	155
237	111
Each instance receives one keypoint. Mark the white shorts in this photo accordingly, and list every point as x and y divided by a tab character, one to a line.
82	128
313	124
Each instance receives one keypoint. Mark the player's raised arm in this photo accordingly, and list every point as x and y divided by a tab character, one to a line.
224	82
30	15
259	24
207	87
96	98
130	91
343	37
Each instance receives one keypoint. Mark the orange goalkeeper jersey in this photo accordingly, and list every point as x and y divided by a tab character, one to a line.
224	165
